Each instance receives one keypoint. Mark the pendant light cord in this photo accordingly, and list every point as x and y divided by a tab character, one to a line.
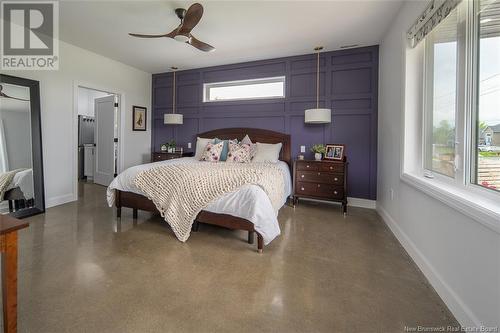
317	84
173	96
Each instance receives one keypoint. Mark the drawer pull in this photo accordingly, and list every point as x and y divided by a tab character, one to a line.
319	173
302	176
335	192
302	189
331	168
307	166
319	185
335	179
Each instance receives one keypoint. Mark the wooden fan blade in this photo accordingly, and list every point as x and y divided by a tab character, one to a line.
200	45
148	36
191	19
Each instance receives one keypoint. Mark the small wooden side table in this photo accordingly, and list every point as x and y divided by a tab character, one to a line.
8	247
163	156
322	180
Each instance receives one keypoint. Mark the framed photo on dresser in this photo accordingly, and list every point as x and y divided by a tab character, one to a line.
334	152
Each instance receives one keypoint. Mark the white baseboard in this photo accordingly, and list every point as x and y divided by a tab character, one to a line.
460	310
354	202
59	200
363	203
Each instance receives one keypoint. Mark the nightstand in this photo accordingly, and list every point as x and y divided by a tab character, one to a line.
322	180
163	156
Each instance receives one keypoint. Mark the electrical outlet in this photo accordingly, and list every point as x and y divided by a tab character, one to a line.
302	149
391	194
189	145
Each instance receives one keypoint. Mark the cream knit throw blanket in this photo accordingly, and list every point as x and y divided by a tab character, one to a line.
181	191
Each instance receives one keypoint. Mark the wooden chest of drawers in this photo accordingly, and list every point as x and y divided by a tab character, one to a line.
161	156
323	180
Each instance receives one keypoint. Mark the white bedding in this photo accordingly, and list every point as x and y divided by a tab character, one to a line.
23	180
250	202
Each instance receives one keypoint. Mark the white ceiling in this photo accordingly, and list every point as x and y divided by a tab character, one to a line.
240	30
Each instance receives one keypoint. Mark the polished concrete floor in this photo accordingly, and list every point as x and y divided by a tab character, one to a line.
81	271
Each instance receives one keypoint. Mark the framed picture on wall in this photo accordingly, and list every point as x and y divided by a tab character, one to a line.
334	152
139	114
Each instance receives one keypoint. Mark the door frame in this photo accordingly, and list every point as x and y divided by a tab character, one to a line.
121	131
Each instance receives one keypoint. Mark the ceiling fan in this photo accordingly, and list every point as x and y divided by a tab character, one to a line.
189	19
4	95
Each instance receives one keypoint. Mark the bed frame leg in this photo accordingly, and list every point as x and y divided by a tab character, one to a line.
195	226
135	212
118	212
250	237
260	243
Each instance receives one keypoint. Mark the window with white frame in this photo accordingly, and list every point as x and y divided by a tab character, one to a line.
461	92
440	96
273	87
486	150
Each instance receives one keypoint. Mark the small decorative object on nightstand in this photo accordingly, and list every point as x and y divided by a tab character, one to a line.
322	180
163	156
319	151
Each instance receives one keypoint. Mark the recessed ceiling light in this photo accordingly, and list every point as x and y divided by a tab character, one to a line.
348	46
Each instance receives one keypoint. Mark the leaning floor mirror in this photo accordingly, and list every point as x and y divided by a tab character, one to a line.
21	169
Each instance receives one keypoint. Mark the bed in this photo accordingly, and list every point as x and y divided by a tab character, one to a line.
136	201
19	193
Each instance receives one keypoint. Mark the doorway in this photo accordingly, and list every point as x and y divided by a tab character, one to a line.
98	130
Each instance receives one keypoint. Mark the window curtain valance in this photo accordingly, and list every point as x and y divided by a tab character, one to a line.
430	18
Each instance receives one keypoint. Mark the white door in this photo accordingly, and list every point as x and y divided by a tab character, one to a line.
104	134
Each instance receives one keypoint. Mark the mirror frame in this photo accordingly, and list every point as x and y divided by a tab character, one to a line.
36	144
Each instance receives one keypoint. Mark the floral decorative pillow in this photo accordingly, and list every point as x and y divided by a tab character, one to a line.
239	153
212	152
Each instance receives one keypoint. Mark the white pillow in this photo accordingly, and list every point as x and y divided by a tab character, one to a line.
266	152
201	143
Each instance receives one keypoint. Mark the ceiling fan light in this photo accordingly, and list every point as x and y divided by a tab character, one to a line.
173	119
318	116
181	38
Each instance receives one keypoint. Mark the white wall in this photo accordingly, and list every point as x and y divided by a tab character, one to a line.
459	256
17	131
59	119
16	120
86	99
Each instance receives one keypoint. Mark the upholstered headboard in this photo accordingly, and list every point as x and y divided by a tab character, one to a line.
256	135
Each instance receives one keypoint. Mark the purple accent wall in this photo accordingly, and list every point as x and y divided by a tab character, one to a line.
348	85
